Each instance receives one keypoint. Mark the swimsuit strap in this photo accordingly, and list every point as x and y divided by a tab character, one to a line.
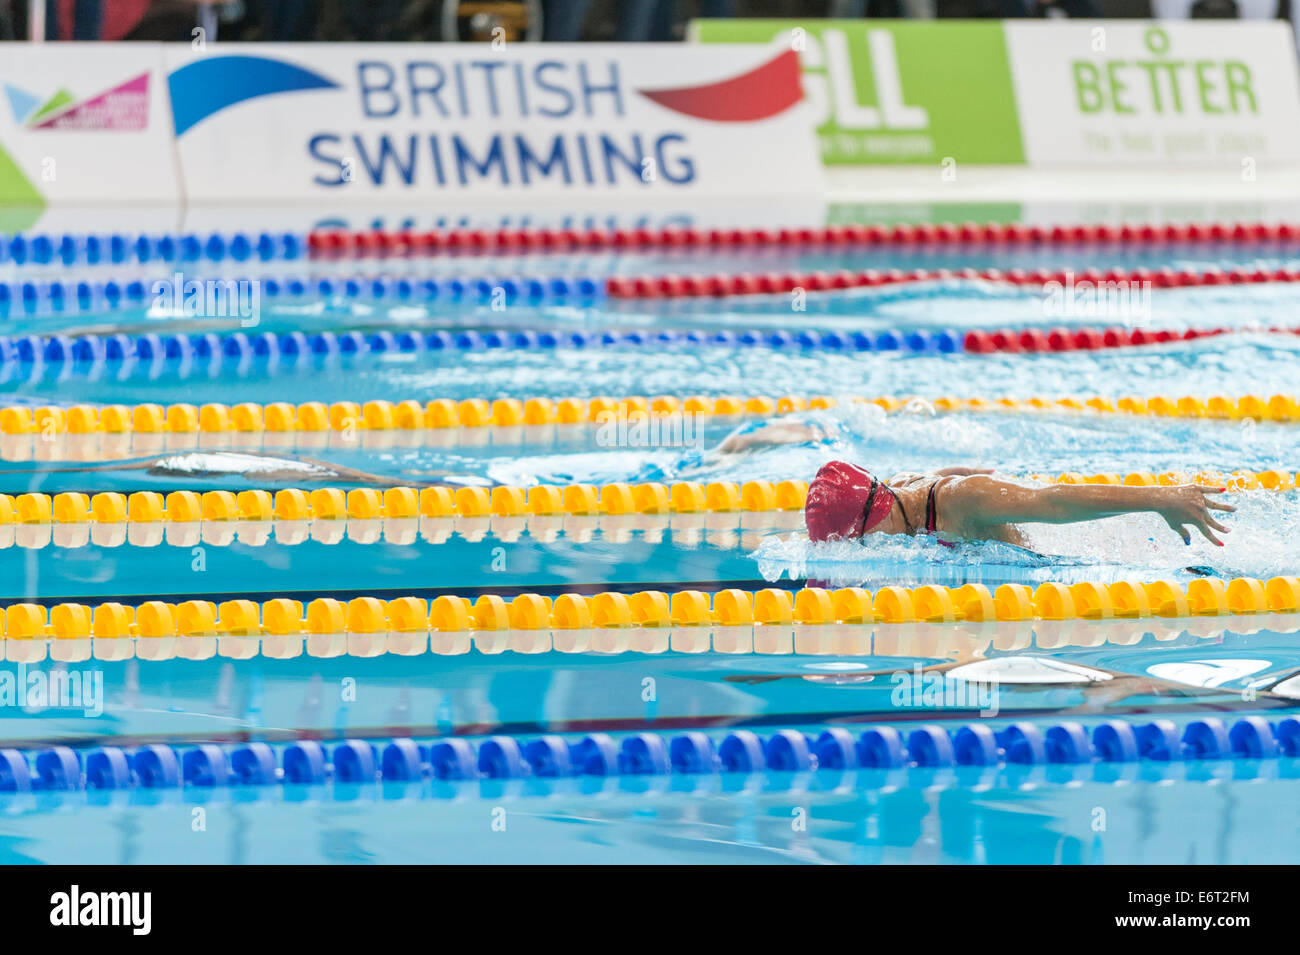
931	513
907	521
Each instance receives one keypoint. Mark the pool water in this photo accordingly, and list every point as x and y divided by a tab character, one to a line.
183	692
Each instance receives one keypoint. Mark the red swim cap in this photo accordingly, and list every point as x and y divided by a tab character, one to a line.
837	501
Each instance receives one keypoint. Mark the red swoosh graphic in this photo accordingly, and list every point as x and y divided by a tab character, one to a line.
764	91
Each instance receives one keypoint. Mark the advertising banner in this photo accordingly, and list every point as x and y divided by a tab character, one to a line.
1041	92
85	122
460	121
897	91
1167	92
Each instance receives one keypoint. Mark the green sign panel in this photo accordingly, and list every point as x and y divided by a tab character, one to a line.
897	91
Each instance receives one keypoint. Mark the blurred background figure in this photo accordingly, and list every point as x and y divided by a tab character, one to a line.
373	19
64	19
881	9
562	20
1013	9
499	20
74	19
557	21
636	21
283	21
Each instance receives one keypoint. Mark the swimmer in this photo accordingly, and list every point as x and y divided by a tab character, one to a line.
261	468
1100	687
846	502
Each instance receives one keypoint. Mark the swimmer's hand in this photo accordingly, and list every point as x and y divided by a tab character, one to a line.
1189	505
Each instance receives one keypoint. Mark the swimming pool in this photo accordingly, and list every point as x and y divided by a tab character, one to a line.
302	665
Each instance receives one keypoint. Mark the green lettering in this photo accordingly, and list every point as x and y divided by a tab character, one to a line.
1204	86
1173	66
1238	77
1087	88
1117	86
1151	66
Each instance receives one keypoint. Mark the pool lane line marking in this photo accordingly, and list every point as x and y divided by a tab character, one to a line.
598	616
659	412
357	759
928	755
70	248
327	243
400	514
955	642
197	354
83	297
744	284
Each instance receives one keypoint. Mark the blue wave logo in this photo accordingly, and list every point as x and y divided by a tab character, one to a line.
210	84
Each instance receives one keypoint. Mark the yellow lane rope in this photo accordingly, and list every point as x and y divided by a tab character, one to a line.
731	608
444	413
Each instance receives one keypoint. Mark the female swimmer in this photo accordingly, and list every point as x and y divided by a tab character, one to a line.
846	502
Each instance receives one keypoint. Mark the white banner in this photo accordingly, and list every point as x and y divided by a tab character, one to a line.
460	121
85	122
1121	92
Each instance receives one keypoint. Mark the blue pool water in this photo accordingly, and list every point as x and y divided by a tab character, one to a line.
183	693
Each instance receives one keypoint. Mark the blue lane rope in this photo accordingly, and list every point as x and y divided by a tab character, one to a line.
86	249
290	346
158	766
66	297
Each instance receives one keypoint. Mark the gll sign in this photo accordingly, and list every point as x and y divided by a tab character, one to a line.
831	88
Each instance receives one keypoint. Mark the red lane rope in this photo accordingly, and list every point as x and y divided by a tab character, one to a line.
744	283
505	241
1092	338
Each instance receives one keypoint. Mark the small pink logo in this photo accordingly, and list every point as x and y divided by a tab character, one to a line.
124	107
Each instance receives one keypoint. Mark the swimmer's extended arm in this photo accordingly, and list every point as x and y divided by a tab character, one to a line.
986	501
775	433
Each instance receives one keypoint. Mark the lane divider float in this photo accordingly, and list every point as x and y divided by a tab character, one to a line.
73	248
1020	744
416	618
960	641
150	347
60	297
398	503
405	515
395	503
770	283
446	413
333	242
1062	339
650	790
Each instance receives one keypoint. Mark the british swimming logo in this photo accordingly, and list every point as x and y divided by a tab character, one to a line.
454	121
209	85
